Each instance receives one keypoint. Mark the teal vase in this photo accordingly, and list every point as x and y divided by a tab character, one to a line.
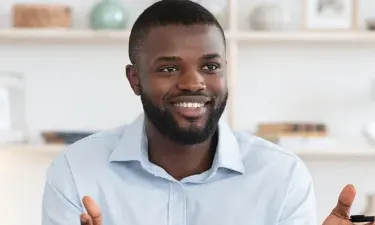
108	15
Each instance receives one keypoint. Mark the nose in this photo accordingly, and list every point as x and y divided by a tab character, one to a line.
191	81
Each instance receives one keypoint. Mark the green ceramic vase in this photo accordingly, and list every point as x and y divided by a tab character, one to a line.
108	15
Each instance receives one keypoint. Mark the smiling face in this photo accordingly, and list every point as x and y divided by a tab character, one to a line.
180	77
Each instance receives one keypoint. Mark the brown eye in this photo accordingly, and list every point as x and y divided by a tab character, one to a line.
169	69
211	67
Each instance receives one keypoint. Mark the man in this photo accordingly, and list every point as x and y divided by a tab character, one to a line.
178	164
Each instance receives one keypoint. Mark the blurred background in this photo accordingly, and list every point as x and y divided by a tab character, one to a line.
302	74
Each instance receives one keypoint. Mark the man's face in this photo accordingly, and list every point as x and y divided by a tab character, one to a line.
180	77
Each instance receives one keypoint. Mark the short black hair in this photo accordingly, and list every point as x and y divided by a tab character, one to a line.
168	12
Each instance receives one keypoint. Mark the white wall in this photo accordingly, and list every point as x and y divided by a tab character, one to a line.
84	87
21	186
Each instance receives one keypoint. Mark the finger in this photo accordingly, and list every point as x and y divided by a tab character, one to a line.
93	210
86	219
345	202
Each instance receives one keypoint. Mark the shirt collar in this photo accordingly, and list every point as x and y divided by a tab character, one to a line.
228	150
132	146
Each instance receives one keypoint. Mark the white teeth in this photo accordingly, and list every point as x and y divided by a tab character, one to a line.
193	105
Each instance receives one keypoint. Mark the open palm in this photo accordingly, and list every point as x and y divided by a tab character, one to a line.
340	215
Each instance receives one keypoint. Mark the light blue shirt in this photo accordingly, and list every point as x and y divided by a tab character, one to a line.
251	182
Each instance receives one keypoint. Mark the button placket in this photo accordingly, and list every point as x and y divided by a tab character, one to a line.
177	204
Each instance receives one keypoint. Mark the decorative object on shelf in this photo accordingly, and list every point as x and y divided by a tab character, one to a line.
292	129
12	108
269	17
63	137
297	136
370	205
370	24
41	16
108	15
217	8
369	133
330	14
369	128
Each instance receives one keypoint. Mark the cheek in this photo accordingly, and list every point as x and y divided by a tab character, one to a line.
156	89
218	86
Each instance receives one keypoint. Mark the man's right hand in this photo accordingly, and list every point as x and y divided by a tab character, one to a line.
93	215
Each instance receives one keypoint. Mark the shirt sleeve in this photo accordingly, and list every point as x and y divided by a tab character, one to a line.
300	203
61	204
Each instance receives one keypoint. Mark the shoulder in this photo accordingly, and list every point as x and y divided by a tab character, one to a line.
271	158
93	149
279	171
255	145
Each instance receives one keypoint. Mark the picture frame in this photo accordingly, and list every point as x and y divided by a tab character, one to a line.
330	14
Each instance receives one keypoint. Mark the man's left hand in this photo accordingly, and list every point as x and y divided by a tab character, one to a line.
340	215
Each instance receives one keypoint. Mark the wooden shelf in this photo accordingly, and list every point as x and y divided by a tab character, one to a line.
307	37
117	37
53	150
41	148
62	36
336	154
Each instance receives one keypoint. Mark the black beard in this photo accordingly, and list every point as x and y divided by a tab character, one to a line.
165	123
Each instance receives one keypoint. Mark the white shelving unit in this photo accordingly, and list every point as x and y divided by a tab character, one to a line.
234	38
70	36
81	36
37	148
342	154
53	150
306	37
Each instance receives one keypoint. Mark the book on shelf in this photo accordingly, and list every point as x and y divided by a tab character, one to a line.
296	136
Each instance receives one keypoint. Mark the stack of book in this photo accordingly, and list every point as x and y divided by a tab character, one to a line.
296	135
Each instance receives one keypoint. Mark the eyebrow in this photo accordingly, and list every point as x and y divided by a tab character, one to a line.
168	58
177	58
211	56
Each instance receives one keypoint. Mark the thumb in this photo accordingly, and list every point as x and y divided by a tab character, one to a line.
345	202
93	210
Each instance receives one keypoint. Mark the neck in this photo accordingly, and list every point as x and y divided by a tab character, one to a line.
179	160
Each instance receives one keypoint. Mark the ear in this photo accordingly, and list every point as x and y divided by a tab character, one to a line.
133	78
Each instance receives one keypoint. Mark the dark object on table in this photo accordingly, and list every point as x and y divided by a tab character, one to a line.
361	219
60	137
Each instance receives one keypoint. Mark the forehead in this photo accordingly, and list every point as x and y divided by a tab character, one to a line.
179	40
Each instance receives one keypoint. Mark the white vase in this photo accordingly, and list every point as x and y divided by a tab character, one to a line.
269	17
369	133
370	207
218	9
